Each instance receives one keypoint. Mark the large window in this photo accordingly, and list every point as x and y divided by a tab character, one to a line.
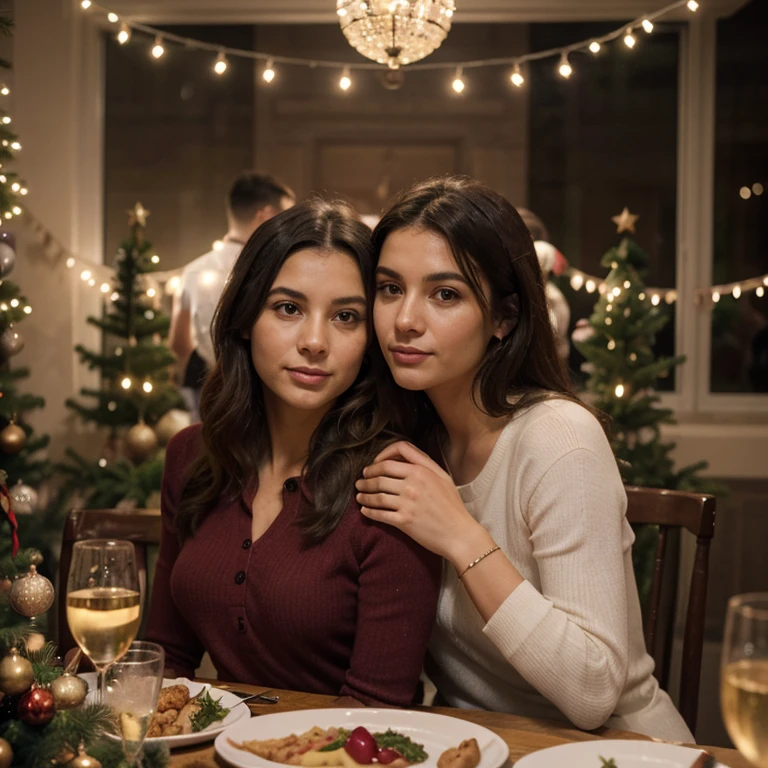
176	134
740	325
604	139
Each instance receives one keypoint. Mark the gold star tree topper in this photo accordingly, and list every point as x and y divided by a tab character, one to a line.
137	215
625	221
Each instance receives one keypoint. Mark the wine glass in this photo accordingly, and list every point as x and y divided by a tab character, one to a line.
132	687
103	602
744	684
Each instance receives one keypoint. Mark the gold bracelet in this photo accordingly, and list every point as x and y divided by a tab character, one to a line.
475	562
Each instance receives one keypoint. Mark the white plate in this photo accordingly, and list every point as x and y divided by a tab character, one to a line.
626	754
435	732
238	711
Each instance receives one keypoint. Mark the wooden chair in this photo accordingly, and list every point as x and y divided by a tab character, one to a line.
672	510
140	526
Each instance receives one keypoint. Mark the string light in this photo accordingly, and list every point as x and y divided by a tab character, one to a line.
147	387
760	292
124	35
14	303
693	6
85	275
268	75
671	297
345	82
458	81
157	49
595	47
218	245
70	262
155	259
15	145
151	292
627	284
757	188
27	310
6	120
16	186
608	321
115	296
736	291
565	68
611	345
220	67
125	383
517	76
655	299
23	191
17	210
6	91
113	18
619	390
104	288
641	296
715	296
577	281
85	4
629	39
648	25
590	286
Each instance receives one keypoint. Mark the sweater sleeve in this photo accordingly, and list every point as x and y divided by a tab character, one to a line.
166	626
397	603
570	641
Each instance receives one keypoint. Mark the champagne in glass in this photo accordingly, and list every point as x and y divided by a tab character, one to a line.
132	689
103	602
744	684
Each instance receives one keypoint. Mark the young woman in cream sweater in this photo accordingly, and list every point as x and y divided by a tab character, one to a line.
514	483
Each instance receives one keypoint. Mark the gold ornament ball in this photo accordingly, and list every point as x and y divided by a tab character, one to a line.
5	586
68	691
6	754
171	422
11	342
31	595
34	642
83	760
16	674
140	442
13	438
24	499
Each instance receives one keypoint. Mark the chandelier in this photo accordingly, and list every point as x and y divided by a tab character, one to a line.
395	32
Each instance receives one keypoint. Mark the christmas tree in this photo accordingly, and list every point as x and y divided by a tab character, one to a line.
623	371
137	401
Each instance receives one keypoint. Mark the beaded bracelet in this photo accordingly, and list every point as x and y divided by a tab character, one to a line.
475	562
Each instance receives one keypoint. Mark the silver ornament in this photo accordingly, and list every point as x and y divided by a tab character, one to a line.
7	259
31	595
24	499
11	342
68	691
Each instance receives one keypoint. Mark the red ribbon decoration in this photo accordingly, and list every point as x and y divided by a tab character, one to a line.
11	519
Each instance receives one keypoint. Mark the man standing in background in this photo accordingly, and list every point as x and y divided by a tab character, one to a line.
252	199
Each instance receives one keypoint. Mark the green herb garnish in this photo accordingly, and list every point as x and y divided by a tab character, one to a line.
412	752
341	740
210	711
610	763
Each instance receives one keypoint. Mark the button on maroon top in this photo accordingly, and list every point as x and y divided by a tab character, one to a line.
351	615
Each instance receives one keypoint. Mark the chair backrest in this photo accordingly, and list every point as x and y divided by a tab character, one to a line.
140	526
670	511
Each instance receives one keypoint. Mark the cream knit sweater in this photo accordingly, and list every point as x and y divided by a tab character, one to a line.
568	642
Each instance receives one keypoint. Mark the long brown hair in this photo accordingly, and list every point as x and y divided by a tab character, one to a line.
234	430
488	239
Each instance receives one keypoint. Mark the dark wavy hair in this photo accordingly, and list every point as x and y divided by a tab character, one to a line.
488	239
234	430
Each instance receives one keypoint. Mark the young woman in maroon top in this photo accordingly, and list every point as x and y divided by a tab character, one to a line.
265	561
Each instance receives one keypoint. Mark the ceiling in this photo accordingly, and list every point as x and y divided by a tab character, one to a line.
323	11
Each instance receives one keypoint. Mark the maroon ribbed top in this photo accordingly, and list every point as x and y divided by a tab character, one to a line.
351	615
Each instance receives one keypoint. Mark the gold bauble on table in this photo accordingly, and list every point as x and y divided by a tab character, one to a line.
6	754
68	691
13	438
83	760
140	442
172	422
32	594
16	673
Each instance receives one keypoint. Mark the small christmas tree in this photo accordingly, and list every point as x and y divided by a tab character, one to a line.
137	390
623	371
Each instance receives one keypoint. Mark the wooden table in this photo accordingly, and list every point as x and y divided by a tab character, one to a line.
522	734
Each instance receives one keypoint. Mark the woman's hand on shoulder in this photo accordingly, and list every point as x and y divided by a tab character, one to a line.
403	487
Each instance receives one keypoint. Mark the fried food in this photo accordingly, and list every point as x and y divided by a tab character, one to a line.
289	749
466	755
173	697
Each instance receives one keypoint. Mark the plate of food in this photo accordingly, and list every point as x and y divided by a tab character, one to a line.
614	753
188	712
350	738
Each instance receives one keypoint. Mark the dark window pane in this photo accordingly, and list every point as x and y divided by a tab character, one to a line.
740	326
176	135
604	139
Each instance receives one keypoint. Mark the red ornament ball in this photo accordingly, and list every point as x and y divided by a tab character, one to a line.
36	707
